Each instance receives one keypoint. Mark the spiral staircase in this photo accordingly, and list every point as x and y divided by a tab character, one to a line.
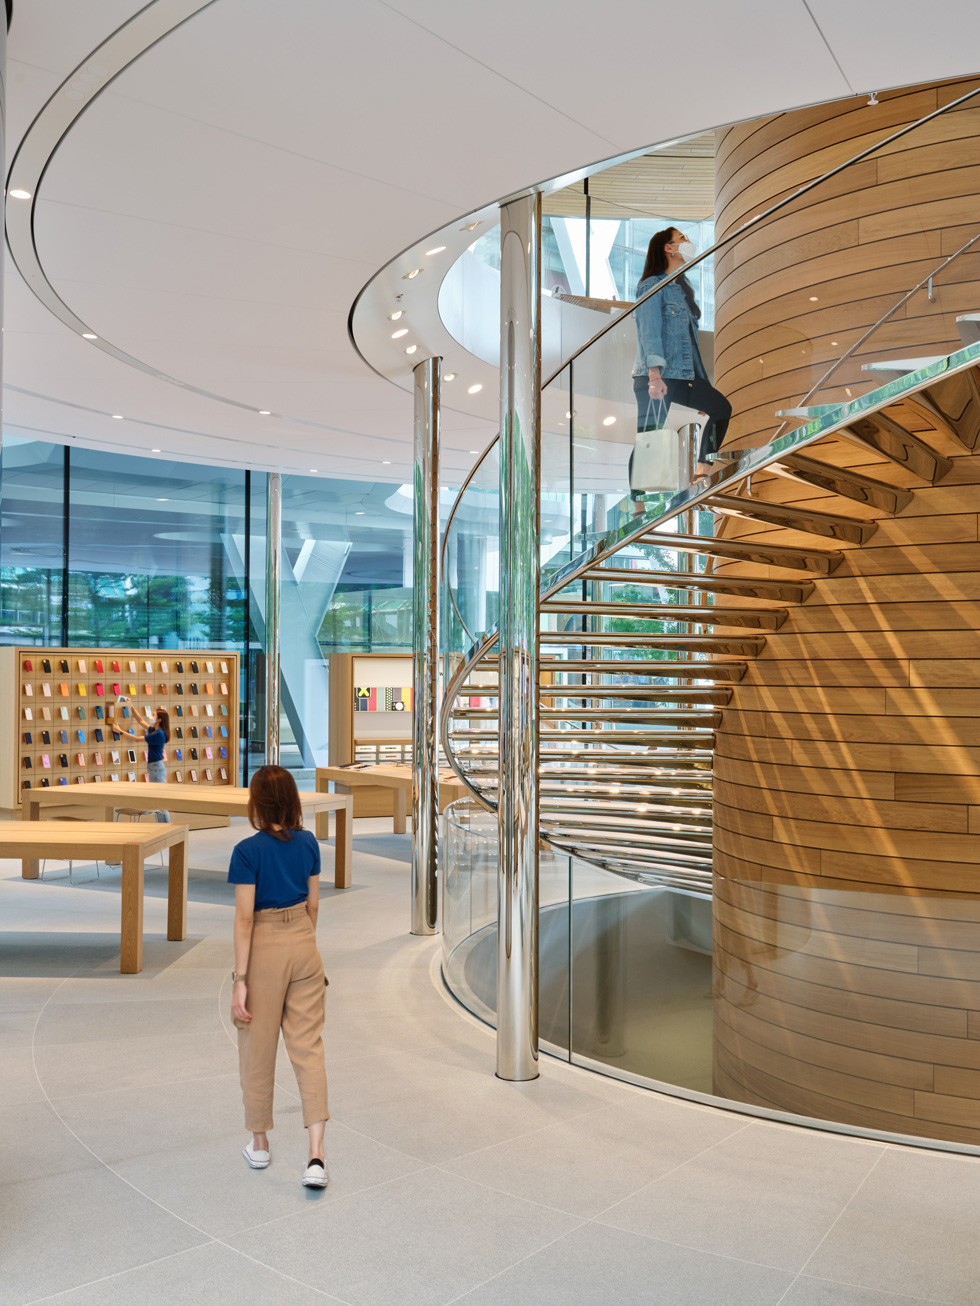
645	636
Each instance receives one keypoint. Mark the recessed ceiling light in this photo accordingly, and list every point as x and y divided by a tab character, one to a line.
264	412
89	335
813	299
163	500
154	451
397	335
358	514
449	376
568	414
437	250
117	417
410	349
609	421
385	462
19	194
833	342
472	451
393	317
410	276
474	389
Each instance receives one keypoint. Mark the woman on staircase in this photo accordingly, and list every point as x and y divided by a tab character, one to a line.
669	368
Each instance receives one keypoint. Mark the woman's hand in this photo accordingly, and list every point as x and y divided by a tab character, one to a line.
658	386
239	996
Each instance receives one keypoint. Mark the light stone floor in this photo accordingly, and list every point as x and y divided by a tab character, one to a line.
123	1182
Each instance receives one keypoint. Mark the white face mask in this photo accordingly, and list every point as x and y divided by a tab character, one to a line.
687	250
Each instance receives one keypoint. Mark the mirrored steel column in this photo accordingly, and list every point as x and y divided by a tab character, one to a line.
520	430
273	592
425	632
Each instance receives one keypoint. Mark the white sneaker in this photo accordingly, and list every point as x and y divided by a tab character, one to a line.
315	1175
256	1158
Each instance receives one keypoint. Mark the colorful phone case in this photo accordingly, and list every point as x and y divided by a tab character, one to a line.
63	688
178	754
63	713
148	668
98	665
82	667
28	764
80	759
45	761
209	668
115	758
179	777
223	773
179	667
64	665
99	689
99	712
224	687
28	714
97	758
208	687
194	687
194	668
224	668
207	773
115	667
81	714
132	665
63	736
116	688
28	664
81	736
46	665
99	737
29	690
165	668
194	776
208	754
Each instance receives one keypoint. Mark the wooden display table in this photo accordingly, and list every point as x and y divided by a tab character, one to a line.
130	844
212	800
394	777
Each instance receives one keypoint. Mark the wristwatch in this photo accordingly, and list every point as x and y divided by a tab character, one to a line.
235	977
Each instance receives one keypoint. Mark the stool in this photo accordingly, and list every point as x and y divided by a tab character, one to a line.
138	813
98	874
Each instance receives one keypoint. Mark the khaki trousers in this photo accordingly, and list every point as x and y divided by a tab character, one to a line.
285	991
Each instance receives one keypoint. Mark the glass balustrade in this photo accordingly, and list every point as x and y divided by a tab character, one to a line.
772	995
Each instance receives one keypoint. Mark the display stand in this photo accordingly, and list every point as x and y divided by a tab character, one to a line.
373	726
55	703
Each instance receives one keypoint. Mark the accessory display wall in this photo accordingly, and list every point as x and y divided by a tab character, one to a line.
51	718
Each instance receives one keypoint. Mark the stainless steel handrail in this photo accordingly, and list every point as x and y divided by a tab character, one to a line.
759	218
884	318
839	415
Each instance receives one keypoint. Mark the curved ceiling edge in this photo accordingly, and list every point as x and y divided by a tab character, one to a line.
37	148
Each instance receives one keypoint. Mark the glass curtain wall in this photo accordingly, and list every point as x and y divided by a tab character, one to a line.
137	552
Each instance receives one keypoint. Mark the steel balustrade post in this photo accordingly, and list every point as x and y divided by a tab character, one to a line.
273	595
425	636
517	813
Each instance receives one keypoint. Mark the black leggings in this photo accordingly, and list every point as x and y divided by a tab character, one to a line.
699	394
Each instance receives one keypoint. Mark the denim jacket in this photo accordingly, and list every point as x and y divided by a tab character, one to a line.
664	329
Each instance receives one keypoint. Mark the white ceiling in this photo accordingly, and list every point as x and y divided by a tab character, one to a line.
215	211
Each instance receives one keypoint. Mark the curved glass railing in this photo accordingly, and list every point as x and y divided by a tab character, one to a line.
626	967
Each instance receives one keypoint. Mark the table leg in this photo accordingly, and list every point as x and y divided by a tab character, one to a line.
109	814
177	890
131	929
30	868
322	818
400	805
343	853
33	809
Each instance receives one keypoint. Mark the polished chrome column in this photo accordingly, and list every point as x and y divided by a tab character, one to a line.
425	634
517	814
273	593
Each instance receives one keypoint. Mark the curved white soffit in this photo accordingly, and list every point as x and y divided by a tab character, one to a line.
42	139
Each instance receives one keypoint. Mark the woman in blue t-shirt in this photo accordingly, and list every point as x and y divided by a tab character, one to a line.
278	981
156	733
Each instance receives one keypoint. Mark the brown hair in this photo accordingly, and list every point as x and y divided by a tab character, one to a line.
273	799
656	265
162	719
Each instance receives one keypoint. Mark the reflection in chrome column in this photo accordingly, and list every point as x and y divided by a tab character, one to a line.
273	591
425	636
520	384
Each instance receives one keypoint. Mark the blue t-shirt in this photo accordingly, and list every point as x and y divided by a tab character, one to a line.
280	870
155	740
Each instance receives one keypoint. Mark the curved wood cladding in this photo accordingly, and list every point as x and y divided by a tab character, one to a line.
846	815
793	296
